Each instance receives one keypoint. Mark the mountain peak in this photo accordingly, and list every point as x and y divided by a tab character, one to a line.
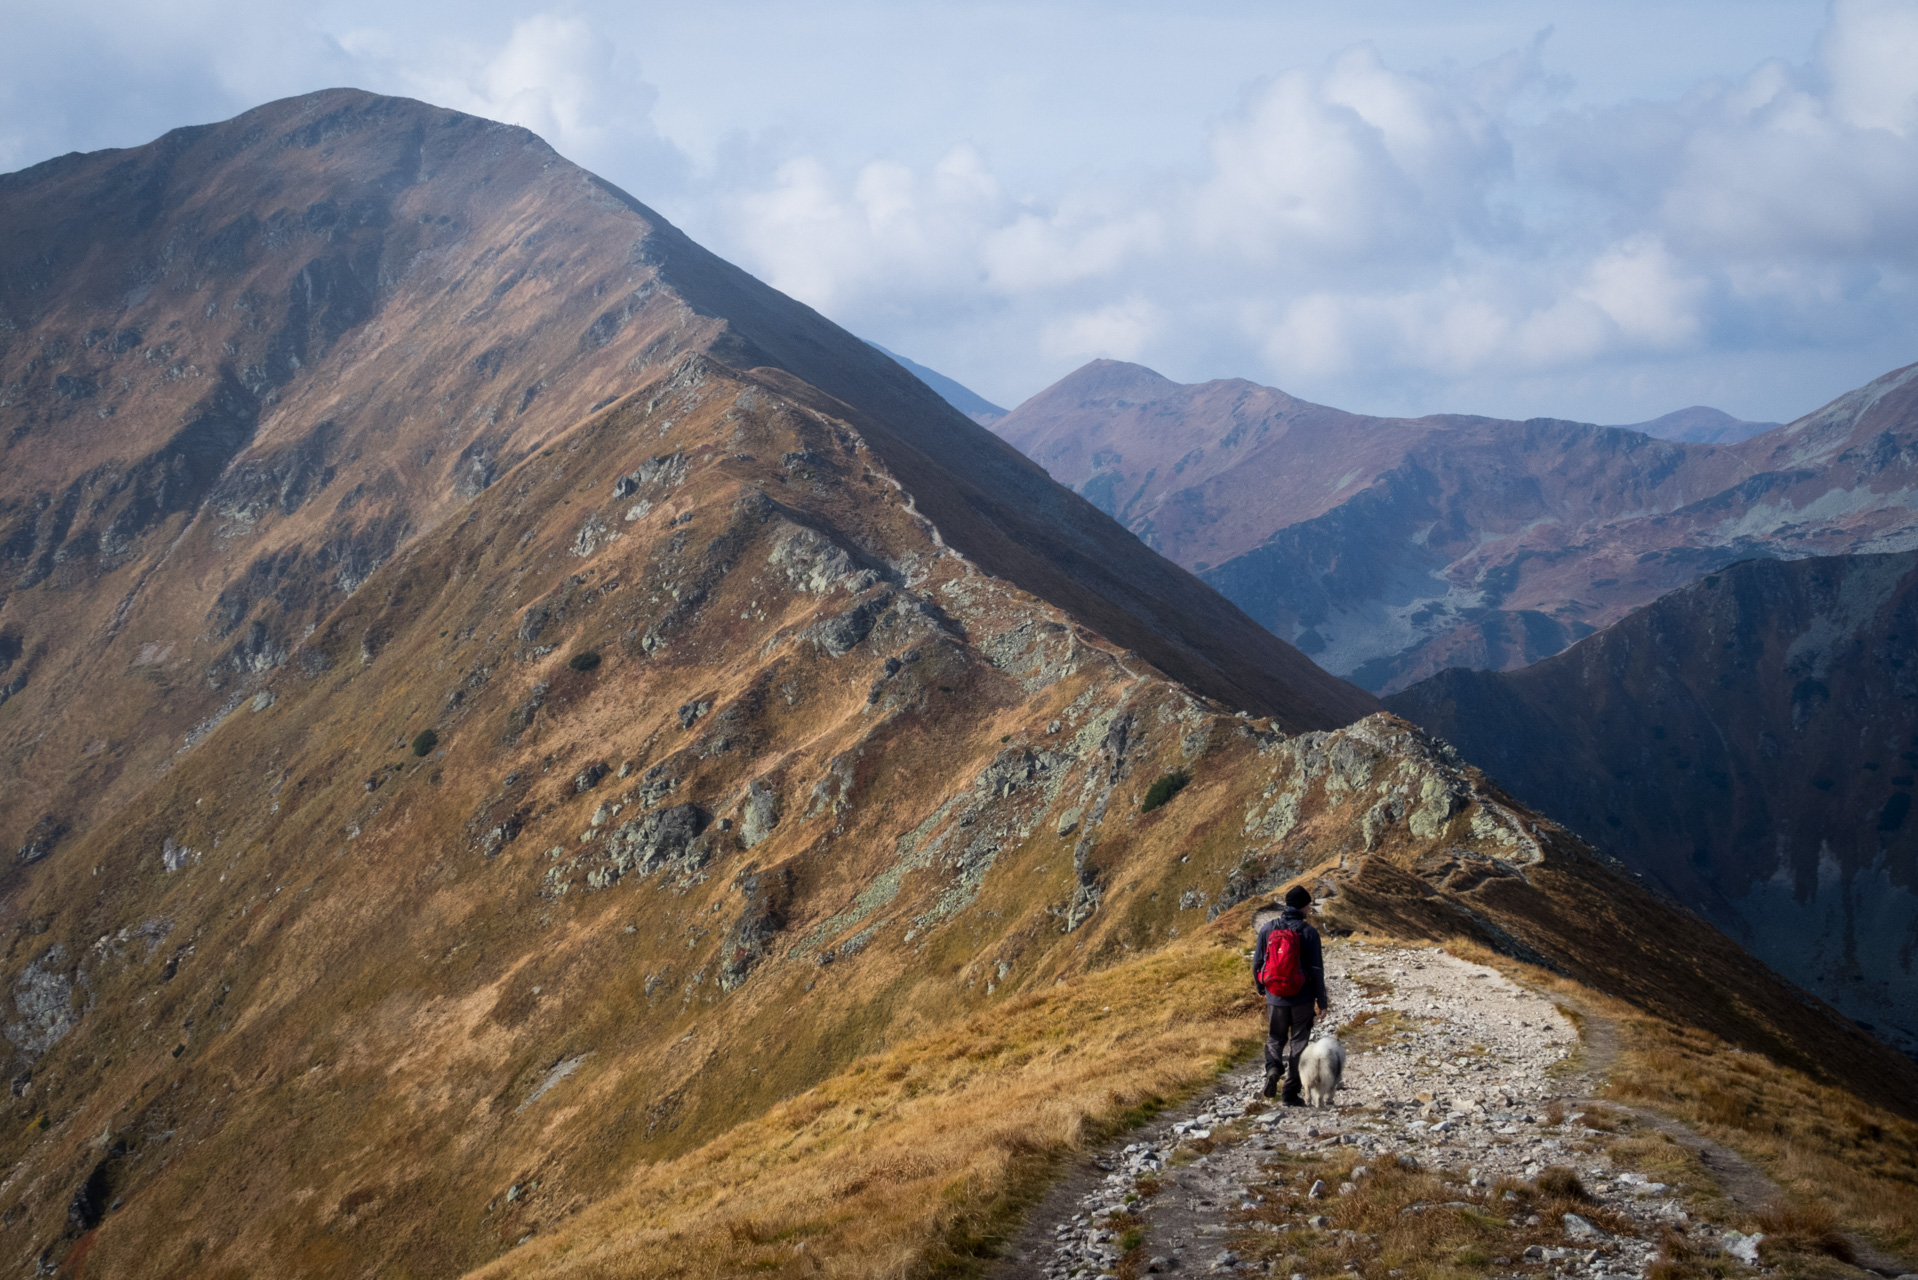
271	353
1700	424
1108	380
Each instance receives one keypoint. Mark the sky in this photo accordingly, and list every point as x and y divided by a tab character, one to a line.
1597	211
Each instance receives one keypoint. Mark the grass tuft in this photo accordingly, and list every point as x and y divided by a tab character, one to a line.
1562	1184
1375	1030
1804	1226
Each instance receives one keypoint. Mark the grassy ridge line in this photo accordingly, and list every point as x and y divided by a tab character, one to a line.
912	1160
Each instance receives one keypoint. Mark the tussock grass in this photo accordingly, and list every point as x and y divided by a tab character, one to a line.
1803	1226
1656	1156
917	1158
1681	1259
1562	1183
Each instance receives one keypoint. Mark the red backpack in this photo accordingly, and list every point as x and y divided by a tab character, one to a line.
1284	970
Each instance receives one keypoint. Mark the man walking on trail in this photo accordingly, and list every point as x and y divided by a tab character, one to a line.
1288	968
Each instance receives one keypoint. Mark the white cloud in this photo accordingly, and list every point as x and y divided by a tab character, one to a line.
1870	54
886	240
1356	225
1646	294
1119	331
1352	164
1039	251
1383	227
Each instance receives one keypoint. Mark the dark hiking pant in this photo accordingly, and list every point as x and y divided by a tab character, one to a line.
1288	1028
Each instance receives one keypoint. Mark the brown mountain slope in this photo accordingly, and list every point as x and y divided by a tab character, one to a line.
244	364
1749	743
745	769
1392	548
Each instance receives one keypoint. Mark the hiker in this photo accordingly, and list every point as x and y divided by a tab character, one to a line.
1288	969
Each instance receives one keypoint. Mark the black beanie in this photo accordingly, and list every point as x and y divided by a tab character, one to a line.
1298	896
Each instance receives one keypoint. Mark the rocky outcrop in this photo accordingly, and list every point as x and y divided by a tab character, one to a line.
669	840
768	896
43	1003
759	814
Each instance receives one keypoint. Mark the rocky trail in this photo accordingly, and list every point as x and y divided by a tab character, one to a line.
1465	1139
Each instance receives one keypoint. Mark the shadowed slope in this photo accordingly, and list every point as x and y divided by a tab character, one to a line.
1748	743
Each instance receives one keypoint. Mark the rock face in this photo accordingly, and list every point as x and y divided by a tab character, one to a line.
1390	549
1749	743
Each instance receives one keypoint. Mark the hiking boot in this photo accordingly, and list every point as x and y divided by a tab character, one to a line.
1292	1100
1271	1085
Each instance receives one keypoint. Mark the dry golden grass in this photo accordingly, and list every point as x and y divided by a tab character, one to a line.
1561	1182
1804	1227
1819	1143
1682	1259
1655	1155
917	1158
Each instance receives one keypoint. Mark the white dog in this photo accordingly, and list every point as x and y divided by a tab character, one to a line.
1321	1067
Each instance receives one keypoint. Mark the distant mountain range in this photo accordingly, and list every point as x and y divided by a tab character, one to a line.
1750	743
1701	425
1391	548
961	397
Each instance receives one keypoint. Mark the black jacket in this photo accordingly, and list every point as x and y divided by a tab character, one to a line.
1313	992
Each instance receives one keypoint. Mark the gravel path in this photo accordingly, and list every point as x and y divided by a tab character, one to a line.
1454	1102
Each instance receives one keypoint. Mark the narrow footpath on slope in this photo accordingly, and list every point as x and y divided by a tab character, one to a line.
1465	1141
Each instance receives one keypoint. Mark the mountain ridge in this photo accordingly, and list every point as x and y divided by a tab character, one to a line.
206	452
955	393
1391	548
